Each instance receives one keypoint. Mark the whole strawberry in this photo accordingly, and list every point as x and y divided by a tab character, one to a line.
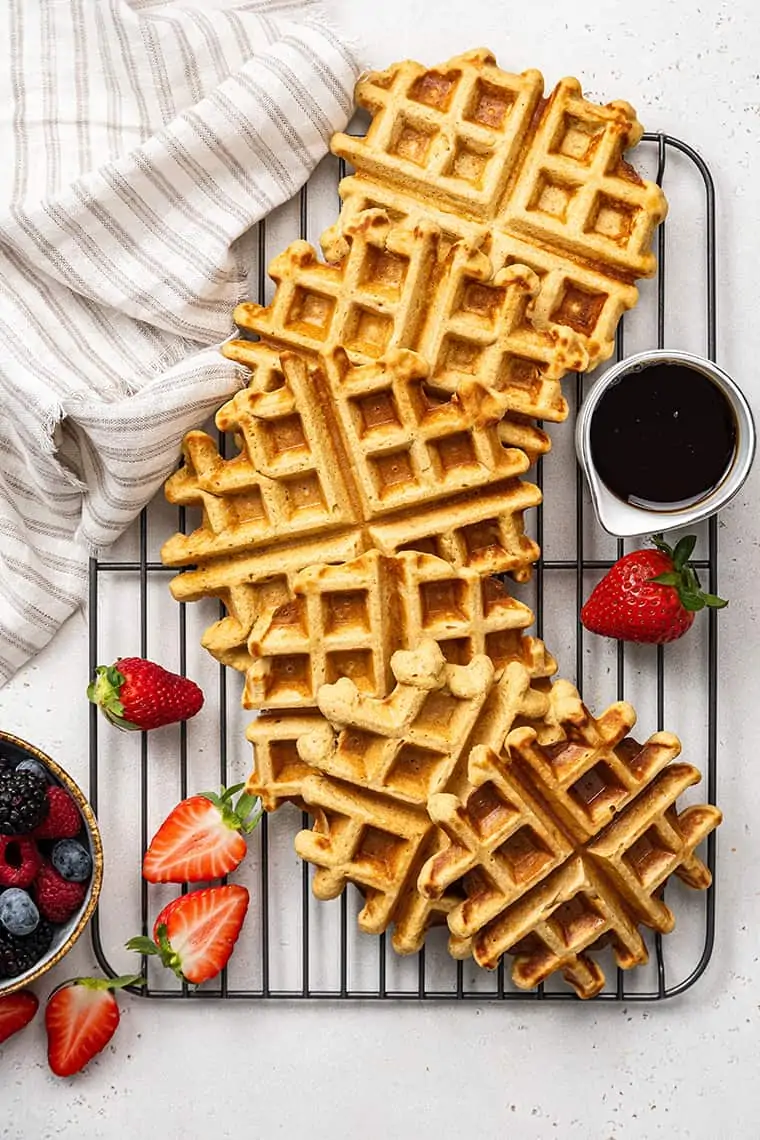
649	595
138	694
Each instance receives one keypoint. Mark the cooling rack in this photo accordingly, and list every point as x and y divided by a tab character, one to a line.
292	947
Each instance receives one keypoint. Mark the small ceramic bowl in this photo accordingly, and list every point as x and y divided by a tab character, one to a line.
626	520
67	934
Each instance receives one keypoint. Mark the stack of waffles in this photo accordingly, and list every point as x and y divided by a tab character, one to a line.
361	534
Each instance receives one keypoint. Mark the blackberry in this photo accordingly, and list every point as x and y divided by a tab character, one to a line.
33	766
23	801
19	954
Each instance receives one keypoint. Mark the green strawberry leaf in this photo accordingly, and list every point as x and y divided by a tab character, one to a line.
668	578
142	945
126	980
690	580
684	578
714	602
245	805
235	815
253	822
684	550
691	602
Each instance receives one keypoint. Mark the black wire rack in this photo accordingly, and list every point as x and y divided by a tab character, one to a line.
330	959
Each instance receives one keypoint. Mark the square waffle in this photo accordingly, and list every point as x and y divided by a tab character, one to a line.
601	895
370	782
484	155
393	286
533	827
278	771
347	620
318	478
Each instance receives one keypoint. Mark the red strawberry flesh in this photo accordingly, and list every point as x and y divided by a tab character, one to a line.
81	1017
199	841
195	934
16	1011
203	931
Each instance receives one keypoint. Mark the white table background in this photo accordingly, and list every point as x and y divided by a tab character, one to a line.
686	1068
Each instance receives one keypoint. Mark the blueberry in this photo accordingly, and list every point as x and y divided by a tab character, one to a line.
71	861
18	914
34	766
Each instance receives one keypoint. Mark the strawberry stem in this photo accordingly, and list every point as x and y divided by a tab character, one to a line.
162	948
103	984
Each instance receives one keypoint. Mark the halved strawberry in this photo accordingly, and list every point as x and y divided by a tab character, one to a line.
81	1018
201	839
195	934
16	1011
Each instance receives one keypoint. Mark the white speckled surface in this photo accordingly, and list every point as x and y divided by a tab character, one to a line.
683	1069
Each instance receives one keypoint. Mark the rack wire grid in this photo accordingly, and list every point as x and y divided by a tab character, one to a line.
291	946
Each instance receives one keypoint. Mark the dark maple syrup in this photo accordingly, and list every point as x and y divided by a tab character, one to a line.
662	437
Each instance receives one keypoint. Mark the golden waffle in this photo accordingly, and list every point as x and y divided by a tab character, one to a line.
525	813
392	755
278	771
347	621
371	781
434	802
605	891
549	929
390	287
580	781
424	473
651	841
482	154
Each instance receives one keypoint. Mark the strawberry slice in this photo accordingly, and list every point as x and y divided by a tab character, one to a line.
195	934
201	839
81	1017
16	1011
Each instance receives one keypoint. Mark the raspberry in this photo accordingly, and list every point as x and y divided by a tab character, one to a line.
19	860
63	820
57	899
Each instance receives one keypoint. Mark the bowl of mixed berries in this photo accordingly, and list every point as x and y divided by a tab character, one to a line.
51	863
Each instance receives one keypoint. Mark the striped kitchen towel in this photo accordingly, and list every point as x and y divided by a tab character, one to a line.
143	139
